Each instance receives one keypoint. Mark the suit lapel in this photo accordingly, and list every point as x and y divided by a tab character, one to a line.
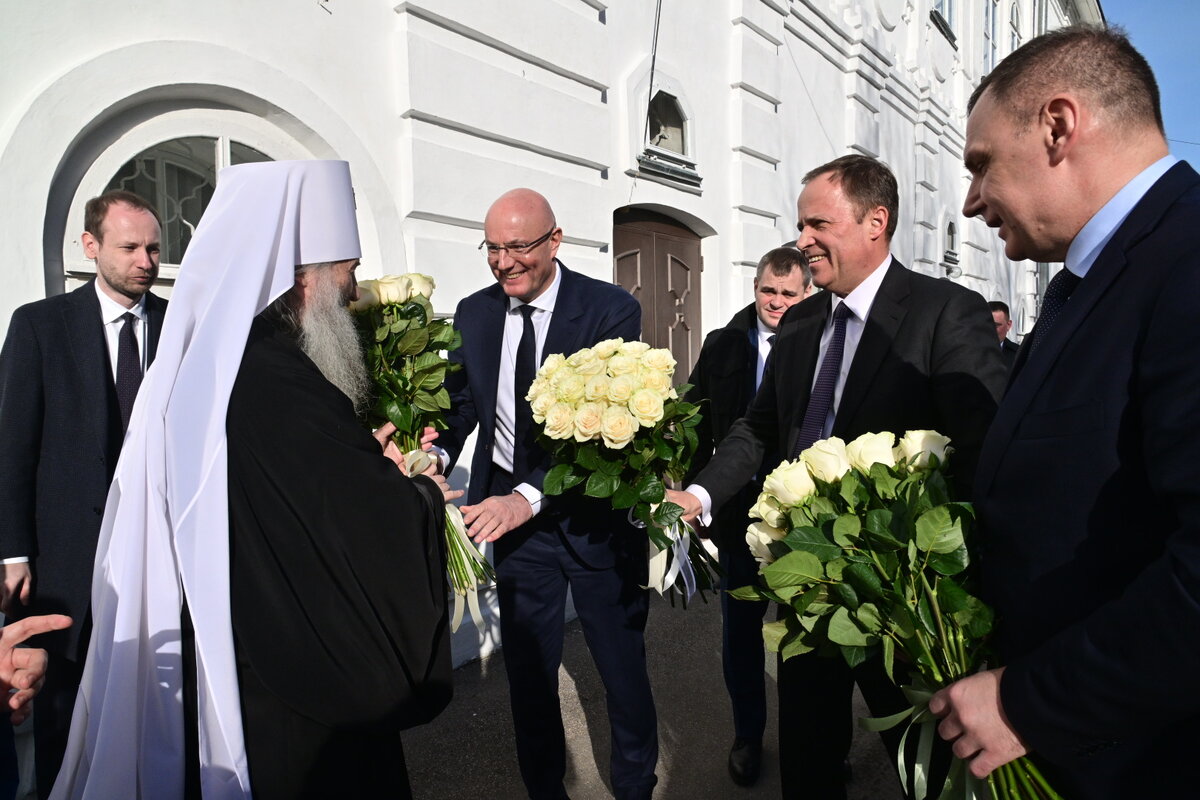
89	357
1031	370
800	342
156	309
491	342
563	335
887	313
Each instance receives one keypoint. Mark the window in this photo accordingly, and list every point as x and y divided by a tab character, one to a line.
667	145
178	177
951	254
943	17
1014	26
991	10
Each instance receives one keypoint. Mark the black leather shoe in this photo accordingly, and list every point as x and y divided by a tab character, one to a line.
745	760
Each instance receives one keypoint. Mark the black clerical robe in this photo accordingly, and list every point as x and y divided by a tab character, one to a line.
337	584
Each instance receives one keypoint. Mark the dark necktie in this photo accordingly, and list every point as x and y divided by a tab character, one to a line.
1057	293
129	369
525	373
758	378
821	399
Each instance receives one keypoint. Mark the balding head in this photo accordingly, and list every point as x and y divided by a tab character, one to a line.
521	238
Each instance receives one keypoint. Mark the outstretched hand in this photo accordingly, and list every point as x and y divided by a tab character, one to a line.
23	669
495	516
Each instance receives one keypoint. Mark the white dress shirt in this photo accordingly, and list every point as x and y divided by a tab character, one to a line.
111	313
506	399
764	350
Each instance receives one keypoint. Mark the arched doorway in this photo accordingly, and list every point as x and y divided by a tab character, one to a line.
657	260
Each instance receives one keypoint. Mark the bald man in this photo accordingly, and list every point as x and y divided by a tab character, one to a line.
538	307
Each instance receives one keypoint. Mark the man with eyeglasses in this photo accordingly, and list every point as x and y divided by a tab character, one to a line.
543	545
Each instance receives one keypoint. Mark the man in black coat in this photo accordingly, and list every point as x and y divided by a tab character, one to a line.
65	399
917	353
1003	322
725	378
1087	484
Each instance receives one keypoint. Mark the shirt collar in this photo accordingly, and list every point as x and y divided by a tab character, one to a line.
1092	238
860	300
111	310
546	300
763	331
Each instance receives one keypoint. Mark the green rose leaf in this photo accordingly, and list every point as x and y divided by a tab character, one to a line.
794	646
667	514
413	341
864	579
938	532
976	619
601	485
844	630
746	593
867	616
846	529
625	496
402	416
425	401
650	488
950	563
856	656
552	484
572	480
813	541
889	657
588	457
951	597
798	566
845	595
878	524
773	633
884	480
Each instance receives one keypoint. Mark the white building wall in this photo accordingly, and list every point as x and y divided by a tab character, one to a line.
441	105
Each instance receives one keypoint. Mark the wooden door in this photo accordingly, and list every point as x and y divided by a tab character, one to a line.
657	260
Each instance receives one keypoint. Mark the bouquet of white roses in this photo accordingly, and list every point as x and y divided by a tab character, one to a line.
404	345
865	551
614	423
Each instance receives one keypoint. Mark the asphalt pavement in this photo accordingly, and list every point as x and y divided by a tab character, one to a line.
468	753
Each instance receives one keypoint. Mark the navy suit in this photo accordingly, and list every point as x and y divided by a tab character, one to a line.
1008	349
60	436
927	359
723	379
1088	489
574	541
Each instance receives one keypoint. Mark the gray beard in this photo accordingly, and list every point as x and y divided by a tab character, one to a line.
329	338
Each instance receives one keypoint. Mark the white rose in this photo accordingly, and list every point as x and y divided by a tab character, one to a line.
393	289
569	387
659	382
540	404
608	348
659	361
596	388
917	446
620	389
633	348
769	511
790	483
759	536
621	364
617	427
551	365
872	448
647	406
560	421
827	459
585	362
539	386
368	296
588	419
420	284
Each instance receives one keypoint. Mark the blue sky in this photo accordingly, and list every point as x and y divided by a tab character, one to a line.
1165	32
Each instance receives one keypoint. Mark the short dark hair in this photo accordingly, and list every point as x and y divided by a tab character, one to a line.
867	183
1000	305
1094	60
97	209
781	261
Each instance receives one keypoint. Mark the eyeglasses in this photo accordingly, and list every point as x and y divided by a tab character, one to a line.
514	249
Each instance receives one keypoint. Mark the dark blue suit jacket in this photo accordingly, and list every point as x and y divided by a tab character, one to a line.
1088	488
587	311
60	436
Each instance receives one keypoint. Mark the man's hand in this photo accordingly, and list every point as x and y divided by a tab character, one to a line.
495	516
18	582
428	435
974	721
689	503
24	669
448	494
